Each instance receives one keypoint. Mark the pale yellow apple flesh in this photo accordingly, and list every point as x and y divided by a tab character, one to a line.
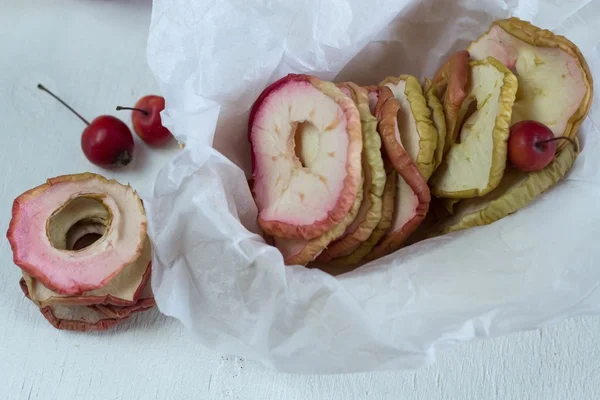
555	83
475	165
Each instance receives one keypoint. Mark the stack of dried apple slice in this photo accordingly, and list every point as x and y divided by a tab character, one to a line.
307	144
369	213
319	179
409	140
523	89
345	174
85	256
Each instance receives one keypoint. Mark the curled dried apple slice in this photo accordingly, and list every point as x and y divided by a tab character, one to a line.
353	260
78	318
516	190
369	213
439	122
415	127
306	147
412	194
474	166
301	252
123	290
145	302
555	83
451	84
45	218
74	318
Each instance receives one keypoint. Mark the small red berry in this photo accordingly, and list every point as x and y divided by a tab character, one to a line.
106	141
532	145
147	122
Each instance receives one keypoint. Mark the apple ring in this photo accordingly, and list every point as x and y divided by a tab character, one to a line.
75	318
43	221
306	144
412	193
369	213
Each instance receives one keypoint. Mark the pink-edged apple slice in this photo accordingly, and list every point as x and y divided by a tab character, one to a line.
301	252
554	79
412	193
74	317
451	84
369	214
353	260
45	219
306	145
123	290
145	302
418	134
78	318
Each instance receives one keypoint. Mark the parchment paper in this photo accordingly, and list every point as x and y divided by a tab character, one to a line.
217	276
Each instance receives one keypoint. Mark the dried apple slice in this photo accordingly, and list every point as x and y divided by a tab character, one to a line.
412	194
425	228
417	131
451	83
123	290
439	122
475	166
369	213
555	83
78	318
352	261
386	110
121	312
42	222
145	302
306	147
74	318
516	190
301	252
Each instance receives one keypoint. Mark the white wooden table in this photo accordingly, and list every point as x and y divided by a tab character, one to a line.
93	53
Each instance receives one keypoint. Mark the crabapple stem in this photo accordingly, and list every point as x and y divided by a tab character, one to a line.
119	108
42	87
540	143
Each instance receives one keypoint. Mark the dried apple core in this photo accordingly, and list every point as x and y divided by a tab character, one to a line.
78	224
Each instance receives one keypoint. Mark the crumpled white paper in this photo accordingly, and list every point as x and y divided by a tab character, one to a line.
213	58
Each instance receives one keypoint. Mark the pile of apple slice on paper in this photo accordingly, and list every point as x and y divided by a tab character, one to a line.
345	174
81	242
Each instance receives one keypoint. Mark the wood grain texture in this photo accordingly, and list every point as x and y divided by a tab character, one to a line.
93	53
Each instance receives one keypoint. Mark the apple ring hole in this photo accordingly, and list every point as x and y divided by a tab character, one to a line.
306	143
78	224
83	234
86	241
